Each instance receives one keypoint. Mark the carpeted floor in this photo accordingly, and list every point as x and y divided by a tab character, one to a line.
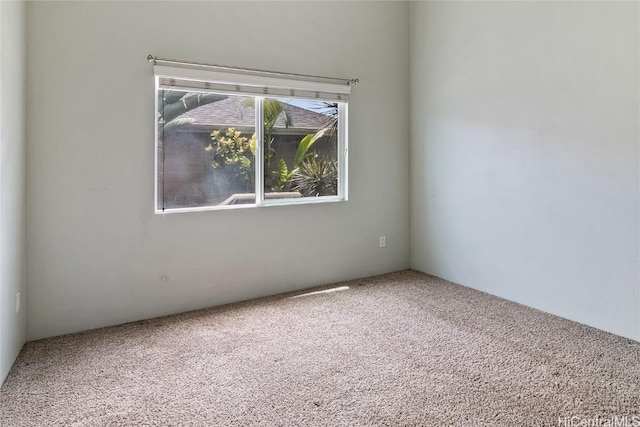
403	349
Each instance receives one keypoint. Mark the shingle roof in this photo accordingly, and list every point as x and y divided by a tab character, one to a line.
233	111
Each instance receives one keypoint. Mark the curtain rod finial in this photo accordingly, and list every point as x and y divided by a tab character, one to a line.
150	58
355	81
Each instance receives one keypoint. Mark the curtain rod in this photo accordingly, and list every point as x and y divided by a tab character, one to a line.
156	60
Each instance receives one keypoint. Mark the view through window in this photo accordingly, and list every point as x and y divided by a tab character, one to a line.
208	148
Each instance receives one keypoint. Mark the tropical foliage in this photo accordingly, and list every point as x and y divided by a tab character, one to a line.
284	173
308	174
272	110
172	104
316	177
233	152
307	168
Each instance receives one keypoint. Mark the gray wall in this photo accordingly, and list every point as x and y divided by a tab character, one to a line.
97	253
12	177
524	148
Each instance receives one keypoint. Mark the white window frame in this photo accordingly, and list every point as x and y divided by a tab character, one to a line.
250	85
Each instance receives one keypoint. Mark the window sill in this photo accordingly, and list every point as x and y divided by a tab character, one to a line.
265	204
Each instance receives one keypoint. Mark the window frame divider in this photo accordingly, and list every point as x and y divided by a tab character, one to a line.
258	157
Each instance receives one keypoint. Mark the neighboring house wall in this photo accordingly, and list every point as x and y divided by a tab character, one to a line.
97	254
524	141
12	185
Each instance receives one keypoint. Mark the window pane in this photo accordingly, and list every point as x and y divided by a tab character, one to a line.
206	145
300	146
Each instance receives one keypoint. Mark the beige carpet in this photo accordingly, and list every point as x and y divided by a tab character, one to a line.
403	349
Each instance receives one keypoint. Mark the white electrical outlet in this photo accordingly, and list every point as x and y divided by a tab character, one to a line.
383	241
18	302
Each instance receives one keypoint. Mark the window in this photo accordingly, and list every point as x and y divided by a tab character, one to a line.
225	140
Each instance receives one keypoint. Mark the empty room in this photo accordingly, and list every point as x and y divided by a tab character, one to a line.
320	213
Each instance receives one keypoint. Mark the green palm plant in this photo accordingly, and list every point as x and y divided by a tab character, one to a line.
172	104
272	111
330	109
316	177
284	174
